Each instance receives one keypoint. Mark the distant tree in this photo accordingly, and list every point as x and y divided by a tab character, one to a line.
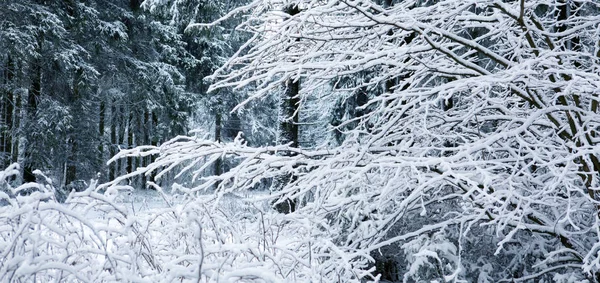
81	79
210	47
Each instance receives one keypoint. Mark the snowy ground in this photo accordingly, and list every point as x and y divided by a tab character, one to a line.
144	200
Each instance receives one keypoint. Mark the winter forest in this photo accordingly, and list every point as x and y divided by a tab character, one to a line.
300	141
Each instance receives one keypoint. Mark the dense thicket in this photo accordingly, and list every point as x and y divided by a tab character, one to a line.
472	154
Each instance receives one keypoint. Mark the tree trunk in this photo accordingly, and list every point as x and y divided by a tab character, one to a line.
146	124
112	170
6	114
288	134
17	122
4	131
27	121
154	140
218	168
289	106
101	131
22	138
129	134
289	114
71	170
135	140
122	139
565	10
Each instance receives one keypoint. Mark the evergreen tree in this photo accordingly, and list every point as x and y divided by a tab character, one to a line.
82	79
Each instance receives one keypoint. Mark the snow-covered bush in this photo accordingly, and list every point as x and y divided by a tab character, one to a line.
88	238
223	245
95	237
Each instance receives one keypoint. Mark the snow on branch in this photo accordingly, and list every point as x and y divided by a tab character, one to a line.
476	154
482	119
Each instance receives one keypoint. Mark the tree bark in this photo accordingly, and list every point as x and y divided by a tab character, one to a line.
71	167
129	134
27	121
101	131
218	168
71	170
289	114
112	170
6	114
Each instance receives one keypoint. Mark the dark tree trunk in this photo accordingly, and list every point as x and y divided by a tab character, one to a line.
565	10
36	88
6	114
71	170
135	4
289	106
135	140
288	134
153	141
101	130
112	170
18	121
218	168
30	113
231	128
289	114
146	140
129	132
121	138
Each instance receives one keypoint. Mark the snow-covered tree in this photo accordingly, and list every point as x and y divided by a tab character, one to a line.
81	79
478	162
210	48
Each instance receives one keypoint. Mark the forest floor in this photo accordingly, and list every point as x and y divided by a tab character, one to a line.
138	201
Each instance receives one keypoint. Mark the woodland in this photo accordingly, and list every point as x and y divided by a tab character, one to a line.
300	140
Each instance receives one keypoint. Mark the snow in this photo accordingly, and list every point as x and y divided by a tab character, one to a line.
144	236
500	186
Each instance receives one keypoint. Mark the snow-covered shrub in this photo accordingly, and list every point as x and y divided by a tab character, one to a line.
88	238
94	237
199	238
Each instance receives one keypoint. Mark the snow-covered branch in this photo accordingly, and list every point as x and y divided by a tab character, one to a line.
482	119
